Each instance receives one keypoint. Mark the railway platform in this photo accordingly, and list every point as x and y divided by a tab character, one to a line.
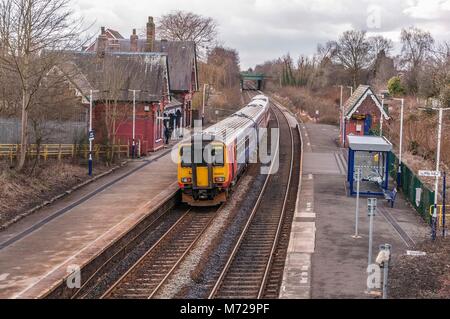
38	252
323	259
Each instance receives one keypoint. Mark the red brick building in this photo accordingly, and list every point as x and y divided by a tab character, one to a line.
182	61
114	75
112	37
362	113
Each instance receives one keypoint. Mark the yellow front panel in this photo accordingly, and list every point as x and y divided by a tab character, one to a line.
202	177
184	172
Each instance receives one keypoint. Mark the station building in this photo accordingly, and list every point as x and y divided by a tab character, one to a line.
163	73
182	61
363	114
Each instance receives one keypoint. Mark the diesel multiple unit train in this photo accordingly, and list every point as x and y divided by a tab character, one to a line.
211	162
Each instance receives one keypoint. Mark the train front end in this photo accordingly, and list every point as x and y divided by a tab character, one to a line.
203	172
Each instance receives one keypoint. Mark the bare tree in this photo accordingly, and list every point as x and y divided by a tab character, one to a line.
353	51
380	44
434	76
32	32
188	26
325	52
417	45
224	67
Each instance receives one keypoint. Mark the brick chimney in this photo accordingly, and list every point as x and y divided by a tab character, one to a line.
150	35
102	42
134	41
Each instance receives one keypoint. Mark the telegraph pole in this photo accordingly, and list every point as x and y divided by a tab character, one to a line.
399	172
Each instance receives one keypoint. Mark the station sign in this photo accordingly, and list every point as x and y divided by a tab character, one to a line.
429	174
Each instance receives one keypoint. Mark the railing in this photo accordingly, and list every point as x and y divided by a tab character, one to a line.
440	213
59	151
409	184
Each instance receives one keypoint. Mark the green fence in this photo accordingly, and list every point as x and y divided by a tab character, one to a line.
410	182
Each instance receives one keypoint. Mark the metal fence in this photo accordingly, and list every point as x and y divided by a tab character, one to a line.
58	151
54	132
410	183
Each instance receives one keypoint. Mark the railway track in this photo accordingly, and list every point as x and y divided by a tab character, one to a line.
255	266
144	279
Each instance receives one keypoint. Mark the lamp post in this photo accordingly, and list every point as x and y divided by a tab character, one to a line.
91	132
351	90
438	159
399	172
133	146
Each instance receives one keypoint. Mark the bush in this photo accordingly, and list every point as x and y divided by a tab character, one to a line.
395	86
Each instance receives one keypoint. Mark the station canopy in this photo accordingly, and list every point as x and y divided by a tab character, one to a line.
370	155
369	143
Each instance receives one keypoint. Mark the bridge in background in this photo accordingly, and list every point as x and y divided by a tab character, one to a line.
258	80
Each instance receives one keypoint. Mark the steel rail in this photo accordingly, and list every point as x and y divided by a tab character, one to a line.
138	262
251	218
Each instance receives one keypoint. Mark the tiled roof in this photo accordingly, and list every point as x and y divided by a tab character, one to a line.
115	34
354	99
181	59
357	97
120	72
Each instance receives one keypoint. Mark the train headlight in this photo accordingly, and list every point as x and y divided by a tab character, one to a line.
186	180
219	179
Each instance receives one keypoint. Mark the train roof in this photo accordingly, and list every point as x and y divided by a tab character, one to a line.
229	129
260	97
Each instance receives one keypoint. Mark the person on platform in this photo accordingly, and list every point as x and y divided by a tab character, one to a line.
167	134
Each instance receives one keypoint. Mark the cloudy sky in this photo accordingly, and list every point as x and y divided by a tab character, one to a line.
266	29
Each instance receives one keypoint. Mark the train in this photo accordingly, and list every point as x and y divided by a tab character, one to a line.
211	162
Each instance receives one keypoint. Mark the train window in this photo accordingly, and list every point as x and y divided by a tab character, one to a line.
185	155
218	158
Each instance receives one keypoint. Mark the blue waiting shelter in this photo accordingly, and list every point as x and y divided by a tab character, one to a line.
371	155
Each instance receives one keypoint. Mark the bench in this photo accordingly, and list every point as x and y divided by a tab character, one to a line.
390	196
